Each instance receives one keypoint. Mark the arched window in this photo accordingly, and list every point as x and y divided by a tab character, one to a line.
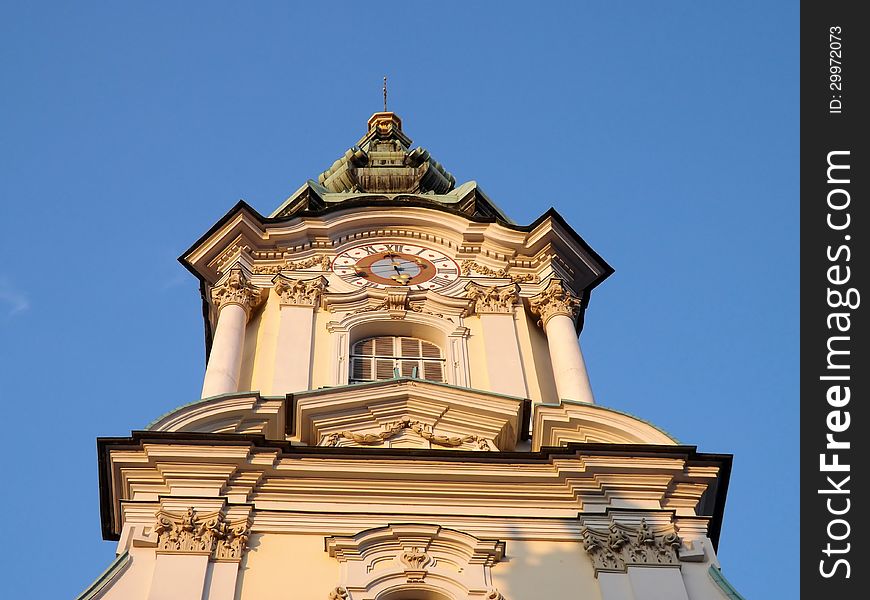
386	357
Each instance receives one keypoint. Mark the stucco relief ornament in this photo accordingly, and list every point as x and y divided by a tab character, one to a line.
392	429
605	550
619	548
469	267
182	534
338	593
323	262
416	561
190	533
237	289
299	292
492	299
556	299
233	542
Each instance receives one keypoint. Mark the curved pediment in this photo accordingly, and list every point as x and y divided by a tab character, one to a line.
229	413
557	425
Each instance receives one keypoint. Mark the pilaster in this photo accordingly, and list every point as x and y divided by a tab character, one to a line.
495	307
194	551
299	298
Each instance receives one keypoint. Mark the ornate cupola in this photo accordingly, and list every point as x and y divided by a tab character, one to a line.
382	168
396	406
381	162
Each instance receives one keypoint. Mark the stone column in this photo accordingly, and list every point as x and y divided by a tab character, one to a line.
504	364
234	300
558	309
299	300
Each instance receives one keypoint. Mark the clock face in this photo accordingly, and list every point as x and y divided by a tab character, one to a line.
396	265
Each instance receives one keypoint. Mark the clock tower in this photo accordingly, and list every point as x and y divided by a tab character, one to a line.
395	406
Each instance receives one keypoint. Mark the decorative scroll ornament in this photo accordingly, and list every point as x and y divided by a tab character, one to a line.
469	267
323	262
299	292
338	593
556	299
621	547
416	561
237	289
393	429
492	299
211	534
494	594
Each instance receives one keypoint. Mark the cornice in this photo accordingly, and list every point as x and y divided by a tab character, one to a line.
274	474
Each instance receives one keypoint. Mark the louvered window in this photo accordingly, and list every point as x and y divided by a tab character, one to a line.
388	357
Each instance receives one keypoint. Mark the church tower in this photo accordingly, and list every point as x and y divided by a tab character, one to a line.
396	407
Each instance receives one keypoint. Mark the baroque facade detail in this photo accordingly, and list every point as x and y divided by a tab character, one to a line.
395	300
227	256
620	547
470	267
210	534
384	560
416	561
237	289
492	299
299	292
323	261
393	429
556	299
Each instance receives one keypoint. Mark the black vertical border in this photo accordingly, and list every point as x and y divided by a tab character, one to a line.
824	130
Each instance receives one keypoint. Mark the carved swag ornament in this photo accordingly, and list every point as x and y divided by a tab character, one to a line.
323	262
393	429
210	534
469	267
622	547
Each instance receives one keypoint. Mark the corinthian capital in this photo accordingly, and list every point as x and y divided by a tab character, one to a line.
556	299
299	292
210	534
492	299
237	289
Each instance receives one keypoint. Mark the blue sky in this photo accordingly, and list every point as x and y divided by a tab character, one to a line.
666	134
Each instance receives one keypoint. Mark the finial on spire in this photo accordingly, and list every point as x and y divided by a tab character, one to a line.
385	93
